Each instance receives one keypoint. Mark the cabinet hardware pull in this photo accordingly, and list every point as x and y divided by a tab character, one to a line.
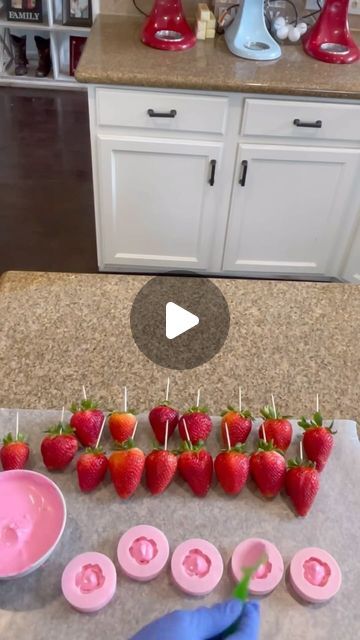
161	114
313	125
243	172
212	173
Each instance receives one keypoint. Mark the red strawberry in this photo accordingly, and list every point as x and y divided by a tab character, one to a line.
15	452
87	421
302	484
232	469
59	447
158	417
198	424
160	468
239	425
277	428
121	425
195	466
126	467
268	469
318	440
91	468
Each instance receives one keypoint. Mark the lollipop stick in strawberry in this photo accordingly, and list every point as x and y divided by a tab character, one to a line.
86	420
195	465
239	423
92	465
318	439
126	466
59	446
14	453
278	428
122	423
160	467
232	467
161	414
198	423
302	483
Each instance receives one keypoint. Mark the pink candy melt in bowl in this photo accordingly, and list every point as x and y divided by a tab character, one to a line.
196	566
32	520
268	575
315	575
143	552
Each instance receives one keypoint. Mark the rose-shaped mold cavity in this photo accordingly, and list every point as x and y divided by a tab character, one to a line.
315	575
89	581
143	552
268	575
196	566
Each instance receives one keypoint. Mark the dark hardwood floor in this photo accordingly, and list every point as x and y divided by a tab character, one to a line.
46	195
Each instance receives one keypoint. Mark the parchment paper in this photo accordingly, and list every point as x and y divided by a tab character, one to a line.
34	608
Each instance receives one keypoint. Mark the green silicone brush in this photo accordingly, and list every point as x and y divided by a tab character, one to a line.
257	556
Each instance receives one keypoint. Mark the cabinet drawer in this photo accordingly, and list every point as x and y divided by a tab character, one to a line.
292	119
202	114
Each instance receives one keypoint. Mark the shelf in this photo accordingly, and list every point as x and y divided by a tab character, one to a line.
68	29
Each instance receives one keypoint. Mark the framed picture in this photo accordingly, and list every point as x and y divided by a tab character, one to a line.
77	13
24	10
77	44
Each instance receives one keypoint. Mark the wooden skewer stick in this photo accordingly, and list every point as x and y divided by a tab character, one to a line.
264	432
187	433
125	399
301	450
84	392
198	397
167	389
240	399
227	436
317	403
133	433
62	415
17	426
273	404
166	434
101	432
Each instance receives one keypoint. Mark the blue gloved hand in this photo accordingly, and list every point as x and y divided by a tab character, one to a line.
206	623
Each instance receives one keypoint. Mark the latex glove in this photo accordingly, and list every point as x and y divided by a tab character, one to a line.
206	623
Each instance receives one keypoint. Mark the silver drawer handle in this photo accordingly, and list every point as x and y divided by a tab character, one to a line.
161	114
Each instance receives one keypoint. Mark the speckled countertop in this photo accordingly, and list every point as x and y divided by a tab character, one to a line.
58	331
114	54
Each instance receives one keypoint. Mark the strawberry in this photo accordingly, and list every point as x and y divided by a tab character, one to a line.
59	447
14	453
195	466
86	421
277	428
126	466
91	468
121	425
318	440
198	424
302	484
232	469
158	417
268	469
160	468
239	425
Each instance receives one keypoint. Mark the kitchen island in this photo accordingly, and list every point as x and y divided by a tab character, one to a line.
59	331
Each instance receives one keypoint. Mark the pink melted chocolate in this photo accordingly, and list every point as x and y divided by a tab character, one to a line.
89	578
196	563
31	517
316	572
263	571
143	550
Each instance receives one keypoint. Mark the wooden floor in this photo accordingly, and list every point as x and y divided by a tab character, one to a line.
46	196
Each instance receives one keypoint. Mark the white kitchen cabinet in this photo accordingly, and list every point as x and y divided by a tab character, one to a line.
292	209
351	271
157	201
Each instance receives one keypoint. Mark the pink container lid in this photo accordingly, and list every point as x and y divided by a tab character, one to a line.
32	520
268	575
196	566
143	552
315	575
89	581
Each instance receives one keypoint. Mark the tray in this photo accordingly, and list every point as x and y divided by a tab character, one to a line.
33	608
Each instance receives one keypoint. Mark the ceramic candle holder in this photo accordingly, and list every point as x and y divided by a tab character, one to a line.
268	575
315	575
143	552
89	581
196	566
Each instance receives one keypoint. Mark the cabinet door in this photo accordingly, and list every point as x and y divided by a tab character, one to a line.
292	210
156	201
351	272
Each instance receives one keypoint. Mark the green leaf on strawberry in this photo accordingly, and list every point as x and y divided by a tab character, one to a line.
85	405
244	414
268	446
295	463
9	439
314	422
198	410
269	413
60	429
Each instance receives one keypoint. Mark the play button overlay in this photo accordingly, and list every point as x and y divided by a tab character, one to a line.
179	321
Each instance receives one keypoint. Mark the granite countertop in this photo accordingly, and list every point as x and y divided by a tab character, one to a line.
293	339
114	54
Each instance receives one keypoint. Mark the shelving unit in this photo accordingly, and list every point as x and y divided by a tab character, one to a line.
59	35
